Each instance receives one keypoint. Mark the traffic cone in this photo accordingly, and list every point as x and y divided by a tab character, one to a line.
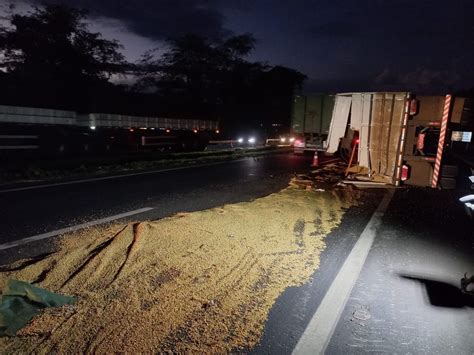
315	162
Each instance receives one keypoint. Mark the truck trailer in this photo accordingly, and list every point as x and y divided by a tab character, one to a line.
48	132
398	137
310	121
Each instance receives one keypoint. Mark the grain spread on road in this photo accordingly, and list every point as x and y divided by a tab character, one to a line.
195	282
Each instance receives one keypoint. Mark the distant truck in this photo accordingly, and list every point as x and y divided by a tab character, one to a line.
397	137
48	132
310	121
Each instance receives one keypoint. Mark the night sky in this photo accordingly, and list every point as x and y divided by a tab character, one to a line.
341	45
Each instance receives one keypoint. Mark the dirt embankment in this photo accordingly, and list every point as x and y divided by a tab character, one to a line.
195	282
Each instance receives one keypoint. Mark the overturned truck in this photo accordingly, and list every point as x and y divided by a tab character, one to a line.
395	137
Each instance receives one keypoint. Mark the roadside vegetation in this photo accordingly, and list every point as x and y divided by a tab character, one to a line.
70	168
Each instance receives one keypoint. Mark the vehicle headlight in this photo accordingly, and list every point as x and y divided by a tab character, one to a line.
240	140
252	140
282	139
292	139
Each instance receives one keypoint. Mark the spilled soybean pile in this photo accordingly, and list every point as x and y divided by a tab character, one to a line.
195	282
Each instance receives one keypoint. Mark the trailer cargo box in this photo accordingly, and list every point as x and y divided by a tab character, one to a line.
310	120
400	137
377	120
429	147
45	132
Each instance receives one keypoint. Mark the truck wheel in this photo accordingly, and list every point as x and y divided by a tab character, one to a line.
447	183
449	171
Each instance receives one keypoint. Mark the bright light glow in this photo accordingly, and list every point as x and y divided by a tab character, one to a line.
152	128
143	128
252	140
92	127
195	130
167	131
217	131
283	139
467	198
292	139
131	129
240	140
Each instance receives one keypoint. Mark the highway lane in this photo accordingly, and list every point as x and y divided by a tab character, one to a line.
26	213
29	212
407	297
424	237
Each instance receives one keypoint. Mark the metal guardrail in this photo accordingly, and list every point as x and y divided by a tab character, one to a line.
229	141
272	140
269	141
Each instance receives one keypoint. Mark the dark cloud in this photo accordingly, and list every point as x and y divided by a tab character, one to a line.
335	29
340	44
419	80
382	29
157	19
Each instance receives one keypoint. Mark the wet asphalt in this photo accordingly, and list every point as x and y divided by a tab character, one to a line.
407	299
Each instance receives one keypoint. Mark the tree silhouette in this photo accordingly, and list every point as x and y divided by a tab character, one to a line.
50	52
214	76
195	67
50	59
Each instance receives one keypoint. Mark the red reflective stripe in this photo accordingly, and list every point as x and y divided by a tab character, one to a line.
442	137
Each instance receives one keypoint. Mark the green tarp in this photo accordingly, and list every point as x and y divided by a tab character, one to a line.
21	301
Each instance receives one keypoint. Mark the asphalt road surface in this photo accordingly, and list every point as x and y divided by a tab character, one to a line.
29	212
405	299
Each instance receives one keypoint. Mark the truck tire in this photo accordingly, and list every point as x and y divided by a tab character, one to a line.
447	183
449	171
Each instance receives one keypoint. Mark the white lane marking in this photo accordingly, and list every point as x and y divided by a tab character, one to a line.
72	228
116	176
319	331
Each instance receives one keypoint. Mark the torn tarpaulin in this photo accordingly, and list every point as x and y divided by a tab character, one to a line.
21	301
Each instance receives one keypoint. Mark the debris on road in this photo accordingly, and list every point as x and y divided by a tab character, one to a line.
21	301
195	282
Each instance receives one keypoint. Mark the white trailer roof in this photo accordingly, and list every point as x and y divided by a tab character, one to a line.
126	121
31	115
